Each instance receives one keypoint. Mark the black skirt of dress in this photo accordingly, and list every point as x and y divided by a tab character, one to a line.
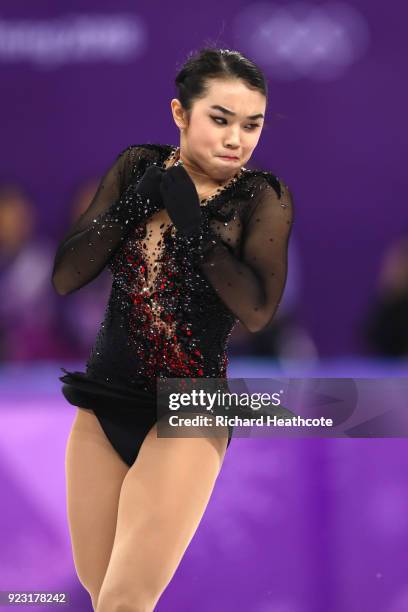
125	415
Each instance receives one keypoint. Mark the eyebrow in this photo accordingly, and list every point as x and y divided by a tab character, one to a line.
228	112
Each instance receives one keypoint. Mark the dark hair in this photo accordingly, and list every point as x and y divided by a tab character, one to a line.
208	63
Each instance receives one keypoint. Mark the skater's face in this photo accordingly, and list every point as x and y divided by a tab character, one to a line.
228	121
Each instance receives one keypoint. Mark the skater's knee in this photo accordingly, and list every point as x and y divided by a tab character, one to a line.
120	598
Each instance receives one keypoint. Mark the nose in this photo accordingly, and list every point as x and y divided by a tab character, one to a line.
232	140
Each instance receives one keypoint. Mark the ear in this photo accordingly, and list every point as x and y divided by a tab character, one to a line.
179	114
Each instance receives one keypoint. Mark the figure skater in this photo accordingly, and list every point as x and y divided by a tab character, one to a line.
195	242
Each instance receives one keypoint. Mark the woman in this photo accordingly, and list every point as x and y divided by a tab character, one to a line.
195	243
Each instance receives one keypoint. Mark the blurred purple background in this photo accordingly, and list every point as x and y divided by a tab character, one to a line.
294	525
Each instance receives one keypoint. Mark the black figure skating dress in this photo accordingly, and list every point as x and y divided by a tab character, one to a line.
170	312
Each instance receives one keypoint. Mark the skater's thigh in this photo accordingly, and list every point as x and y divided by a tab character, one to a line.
163	498
172	479
94	476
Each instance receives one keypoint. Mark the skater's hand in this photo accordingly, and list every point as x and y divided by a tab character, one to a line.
181	200
149	185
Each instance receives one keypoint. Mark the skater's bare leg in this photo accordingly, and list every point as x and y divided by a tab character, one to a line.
94	477
162	501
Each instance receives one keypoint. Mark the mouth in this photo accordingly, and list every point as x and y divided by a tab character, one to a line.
229	157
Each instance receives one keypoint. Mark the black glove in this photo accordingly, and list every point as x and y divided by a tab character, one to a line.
182	203
181	200
149	185
148	193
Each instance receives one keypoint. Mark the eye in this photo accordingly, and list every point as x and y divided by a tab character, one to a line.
252	126
216	119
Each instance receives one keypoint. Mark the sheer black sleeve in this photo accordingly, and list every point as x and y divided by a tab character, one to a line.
252	286
91	242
